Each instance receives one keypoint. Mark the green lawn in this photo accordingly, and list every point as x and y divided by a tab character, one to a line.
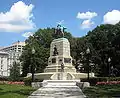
15	91
105	91
19	91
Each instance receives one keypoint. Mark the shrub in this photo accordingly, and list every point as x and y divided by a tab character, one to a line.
15	72
92	81
4	78
28	81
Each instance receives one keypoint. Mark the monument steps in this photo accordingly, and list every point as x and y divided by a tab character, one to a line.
58	89
60	77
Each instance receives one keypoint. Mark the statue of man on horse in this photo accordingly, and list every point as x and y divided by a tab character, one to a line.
60	30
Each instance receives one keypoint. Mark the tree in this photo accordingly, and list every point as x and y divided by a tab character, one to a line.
105	42
41	41
15	72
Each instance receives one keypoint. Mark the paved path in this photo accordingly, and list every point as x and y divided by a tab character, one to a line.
58	91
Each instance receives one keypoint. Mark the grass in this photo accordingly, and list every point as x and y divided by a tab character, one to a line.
15	91
20	91
103	91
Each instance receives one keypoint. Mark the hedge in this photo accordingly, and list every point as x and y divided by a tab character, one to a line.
28	81
4	78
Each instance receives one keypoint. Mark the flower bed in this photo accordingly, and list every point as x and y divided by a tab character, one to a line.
108	83
19	83
10	82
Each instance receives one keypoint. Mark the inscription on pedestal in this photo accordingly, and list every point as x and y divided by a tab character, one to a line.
67	60
53	60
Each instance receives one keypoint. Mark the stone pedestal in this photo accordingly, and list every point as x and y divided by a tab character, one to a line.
54	62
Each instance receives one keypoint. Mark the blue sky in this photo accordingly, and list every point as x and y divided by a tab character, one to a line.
19	19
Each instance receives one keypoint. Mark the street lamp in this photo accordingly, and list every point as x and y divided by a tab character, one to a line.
80	67
33	50
109	60
32	65
88	53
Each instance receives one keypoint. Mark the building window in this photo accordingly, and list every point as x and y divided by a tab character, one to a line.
67	60
1	60
1	66
19	50
53	60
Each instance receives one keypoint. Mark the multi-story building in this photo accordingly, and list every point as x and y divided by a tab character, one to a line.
4	64
14	51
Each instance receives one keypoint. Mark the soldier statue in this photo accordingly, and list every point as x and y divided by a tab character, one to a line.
62	67
55	52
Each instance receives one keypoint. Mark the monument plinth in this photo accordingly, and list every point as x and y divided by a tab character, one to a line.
60	54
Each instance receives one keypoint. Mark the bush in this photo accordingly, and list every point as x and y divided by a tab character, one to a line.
3	78
28	81
21	79
94	80
15	72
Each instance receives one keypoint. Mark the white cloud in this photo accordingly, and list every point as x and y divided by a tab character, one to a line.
18	18
86	15
112	17
87	19
27	34
87	24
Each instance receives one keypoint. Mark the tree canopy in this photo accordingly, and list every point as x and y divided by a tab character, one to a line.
41	42
103	41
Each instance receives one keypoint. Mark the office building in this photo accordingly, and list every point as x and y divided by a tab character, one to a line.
11	54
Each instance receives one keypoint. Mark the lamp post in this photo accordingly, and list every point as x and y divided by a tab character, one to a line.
80	67
32	65
109	60
88	53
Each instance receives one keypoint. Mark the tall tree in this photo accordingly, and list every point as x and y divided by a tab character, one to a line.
15	72
104	39
41	42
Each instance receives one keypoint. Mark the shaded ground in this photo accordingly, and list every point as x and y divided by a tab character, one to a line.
15	91
103	91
